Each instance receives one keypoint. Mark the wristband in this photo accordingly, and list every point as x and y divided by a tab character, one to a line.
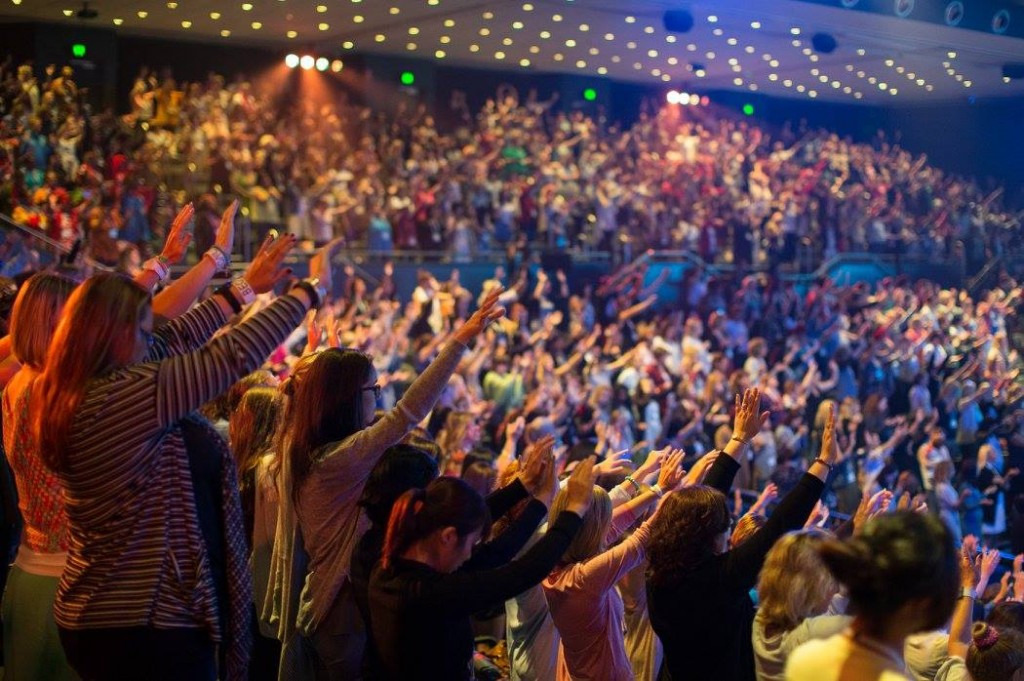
159	266
824	463
636	485
229	295
658	491
244	293
317	293
219	257
741	441
968	592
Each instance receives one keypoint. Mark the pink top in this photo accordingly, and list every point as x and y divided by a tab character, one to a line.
40	495
588	612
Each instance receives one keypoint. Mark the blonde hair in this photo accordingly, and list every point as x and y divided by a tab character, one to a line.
96	334
589	540
35	315
745	528
451	437
794	582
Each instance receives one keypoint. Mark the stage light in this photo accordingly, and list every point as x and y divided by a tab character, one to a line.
322	63
686	98
78	51
306	62
672	97
407	78
337	65
748	109
291	61
590	94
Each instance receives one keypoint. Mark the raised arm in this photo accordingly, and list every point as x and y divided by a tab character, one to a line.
747	424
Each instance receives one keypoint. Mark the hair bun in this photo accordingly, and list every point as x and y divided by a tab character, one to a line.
984	635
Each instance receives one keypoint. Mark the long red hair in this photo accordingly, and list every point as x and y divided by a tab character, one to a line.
95	335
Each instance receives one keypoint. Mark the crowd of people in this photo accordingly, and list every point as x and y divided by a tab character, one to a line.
313	479
519	169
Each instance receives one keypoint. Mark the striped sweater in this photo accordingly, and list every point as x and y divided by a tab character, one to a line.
136	555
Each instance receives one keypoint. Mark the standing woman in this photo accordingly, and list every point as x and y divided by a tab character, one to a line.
698	591
142	594
32	647
330	449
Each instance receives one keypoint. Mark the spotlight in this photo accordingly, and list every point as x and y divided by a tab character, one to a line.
291	61
686	98
678	21
824	43
1001	21
322	63
672	97
306	62
954	13
337	65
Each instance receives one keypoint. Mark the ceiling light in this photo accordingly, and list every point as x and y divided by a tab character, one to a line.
556	18
321	8
795	30
534	49
323	26
812	94
584	28
142	13
787	83
186	24
291	61
652	53
861	52
847	89
609	36
670	39
506	41
71	12
594	51
755	25
225	33
256	25
712	19
499	55
380	37
527	7
737	81
247	6
322	63
488	15
517	25
394	10
524	62
558	56
951	55
602	70
731	41
648	30
172	5
413	30
337	65
449	23
215	15
673	61
631	45
440	54
410	46
630	20
545	34
445	39
306	62
485	31
773	77
474	48
293	34
710	55
118	21
774	63
348	44
570	43
359	18
580	64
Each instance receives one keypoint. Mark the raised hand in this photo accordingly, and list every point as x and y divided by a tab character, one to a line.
320	264
870	507
749	419
700	469
180	235
312	332
265	270
819	516
768	495
579	489
672	473
534	462
829	443
225	239
489	311
652	463
615	463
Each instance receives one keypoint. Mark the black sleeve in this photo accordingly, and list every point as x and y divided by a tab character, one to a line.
505	546
744	562
469	592
500	501
723	472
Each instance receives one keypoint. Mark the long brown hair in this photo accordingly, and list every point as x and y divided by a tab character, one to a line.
325	404
683	532
95	335
35	315
253	425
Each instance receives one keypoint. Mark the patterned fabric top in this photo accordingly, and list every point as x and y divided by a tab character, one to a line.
40	495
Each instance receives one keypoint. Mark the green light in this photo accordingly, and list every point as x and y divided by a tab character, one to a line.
407	78
78	50
590	94
748	109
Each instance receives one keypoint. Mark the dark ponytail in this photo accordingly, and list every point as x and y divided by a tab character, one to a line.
995	654
446	502
899	557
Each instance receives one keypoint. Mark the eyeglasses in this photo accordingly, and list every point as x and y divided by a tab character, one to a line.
376	390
